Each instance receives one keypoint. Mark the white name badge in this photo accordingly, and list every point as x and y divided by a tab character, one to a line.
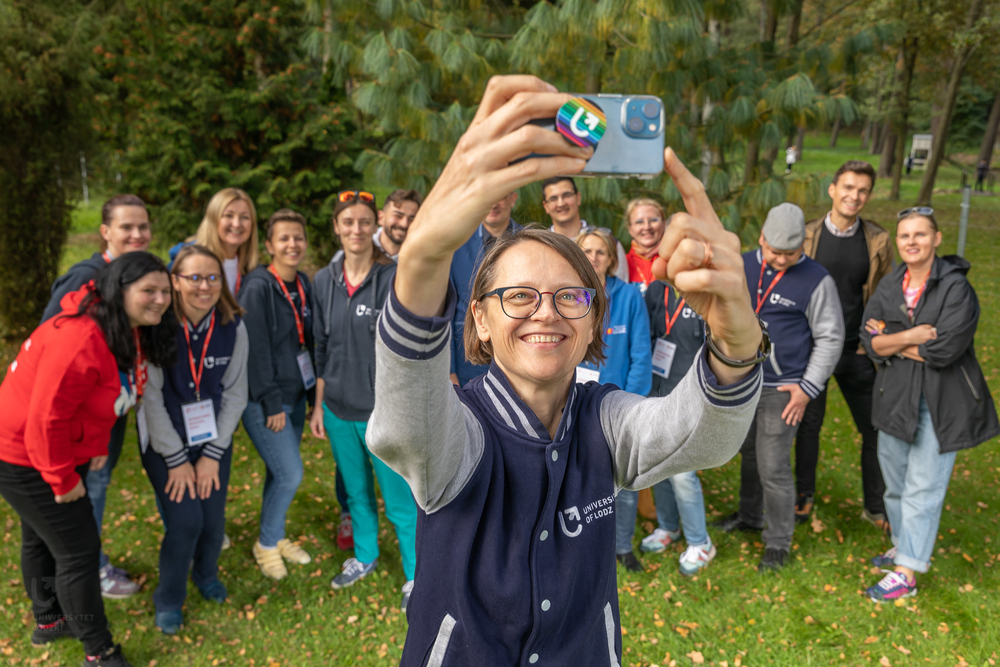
585	375
140	422
663	357
199	422
306	369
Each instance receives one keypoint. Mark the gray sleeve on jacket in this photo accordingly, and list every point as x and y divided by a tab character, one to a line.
163	437
826	320
419	427
621	272
698	425
235	392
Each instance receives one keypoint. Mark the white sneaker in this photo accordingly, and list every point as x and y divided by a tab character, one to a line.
407	589
226	542
696	557
659	540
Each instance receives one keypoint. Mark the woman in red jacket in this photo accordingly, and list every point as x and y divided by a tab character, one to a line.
72	379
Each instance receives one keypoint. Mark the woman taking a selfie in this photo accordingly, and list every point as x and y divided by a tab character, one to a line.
515	474
76	375
192	408
278	304
350	293
930	398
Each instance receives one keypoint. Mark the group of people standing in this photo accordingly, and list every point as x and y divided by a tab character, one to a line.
214	339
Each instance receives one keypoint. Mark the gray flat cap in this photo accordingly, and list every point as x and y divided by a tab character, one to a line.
785	227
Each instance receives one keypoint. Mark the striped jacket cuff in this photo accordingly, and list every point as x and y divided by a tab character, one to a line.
728	396
178	458
811	390
414	337
213	451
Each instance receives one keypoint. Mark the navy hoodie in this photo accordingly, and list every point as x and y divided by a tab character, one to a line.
78	275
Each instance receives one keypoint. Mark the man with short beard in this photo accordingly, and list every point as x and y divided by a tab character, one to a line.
858	254
395	218
464	266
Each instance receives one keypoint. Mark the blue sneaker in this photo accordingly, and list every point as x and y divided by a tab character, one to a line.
169	622
893	586
353	570
885	560
215	591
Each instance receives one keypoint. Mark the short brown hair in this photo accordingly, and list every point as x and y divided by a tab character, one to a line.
353	201
481	352
108	209
283	215
227	306
859	167
397	197
610	243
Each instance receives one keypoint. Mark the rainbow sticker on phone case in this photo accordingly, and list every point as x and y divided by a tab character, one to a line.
582	122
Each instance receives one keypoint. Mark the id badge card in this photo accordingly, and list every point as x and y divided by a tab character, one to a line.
585	375
663	357
306	369
140	422
199	422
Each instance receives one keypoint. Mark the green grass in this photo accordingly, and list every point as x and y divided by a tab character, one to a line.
812	613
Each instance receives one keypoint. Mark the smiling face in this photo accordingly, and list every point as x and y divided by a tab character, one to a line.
129	230
287	245
396	220
355	226
147	299
197	299
646	227
235	225
545	348
916	240
850	194
561	203
596	251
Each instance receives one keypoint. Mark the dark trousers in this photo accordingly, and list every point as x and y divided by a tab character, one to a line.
60	555
855	375
194	530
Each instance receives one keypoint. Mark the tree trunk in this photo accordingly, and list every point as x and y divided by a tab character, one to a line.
884	129
794	23
327	32
800	142
750	167
902	115
835	132
936	111
768	22
888	153
992	129
962	56
866	133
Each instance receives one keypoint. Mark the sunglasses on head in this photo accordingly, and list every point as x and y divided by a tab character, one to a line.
926	211
348	195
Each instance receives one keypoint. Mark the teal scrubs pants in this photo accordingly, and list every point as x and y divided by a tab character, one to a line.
357	465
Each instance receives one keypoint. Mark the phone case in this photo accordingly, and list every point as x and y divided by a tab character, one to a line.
620	154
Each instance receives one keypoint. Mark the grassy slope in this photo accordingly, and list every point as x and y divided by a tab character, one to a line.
811	614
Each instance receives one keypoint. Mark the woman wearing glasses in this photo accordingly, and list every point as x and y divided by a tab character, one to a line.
930	397
350	292
646	225
192	409
516	473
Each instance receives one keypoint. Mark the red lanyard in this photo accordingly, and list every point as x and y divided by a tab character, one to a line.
670	320
107	256
196	375
140	366
920	290
638	267
760	281
239	279
302	300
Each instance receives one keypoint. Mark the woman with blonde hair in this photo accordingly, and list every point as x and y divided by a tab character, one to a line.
646	224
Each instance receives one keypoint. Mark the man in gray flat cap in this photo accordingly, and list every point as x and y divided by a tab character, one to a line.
797	299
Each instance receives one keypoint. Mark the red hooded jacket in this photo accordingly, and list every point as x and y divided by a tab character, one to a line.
61	397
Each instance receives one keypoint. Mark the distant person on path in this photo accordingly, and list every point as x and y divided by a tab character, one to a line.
982	170
932	400
394	219
73	378
561	200
858	254
464	265
797	299
791	155
124	228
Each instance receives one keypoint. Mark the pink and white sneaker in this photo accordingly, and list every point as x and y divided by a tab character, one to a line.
892	587
696	557
659	540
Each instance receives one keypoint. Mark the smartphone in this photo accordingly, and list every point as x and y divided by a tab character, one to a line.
632	144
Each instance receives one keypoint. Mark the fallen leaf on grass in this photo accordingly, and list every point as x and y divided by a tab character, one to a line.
903	650
943	627
884	661
840	536
871	640
696	657
683	632
982	505
966	556
817	525
354	619
810	620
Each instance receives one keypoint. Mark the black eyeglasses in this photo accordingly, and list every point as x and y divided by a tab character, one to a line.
919	210
213	279
520	303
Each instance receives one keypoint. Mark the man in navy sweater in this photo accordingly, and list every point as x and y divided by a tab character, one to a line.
464	266
797	299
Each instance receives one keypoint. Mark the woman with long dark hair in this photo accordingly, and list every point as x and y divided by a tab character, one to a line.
192	408
73	378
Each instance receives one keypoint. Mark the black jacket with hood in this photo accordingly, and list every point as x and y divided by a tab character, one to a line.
950	379
344	331
76	277
272	368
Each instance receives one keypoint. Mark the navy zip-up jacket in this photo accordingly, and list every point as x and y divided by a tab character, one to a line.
76	277
516	537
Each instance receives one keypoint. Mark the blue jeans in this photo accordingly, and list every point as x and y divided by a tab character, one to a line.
679	501
916	480
280	452
97	481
